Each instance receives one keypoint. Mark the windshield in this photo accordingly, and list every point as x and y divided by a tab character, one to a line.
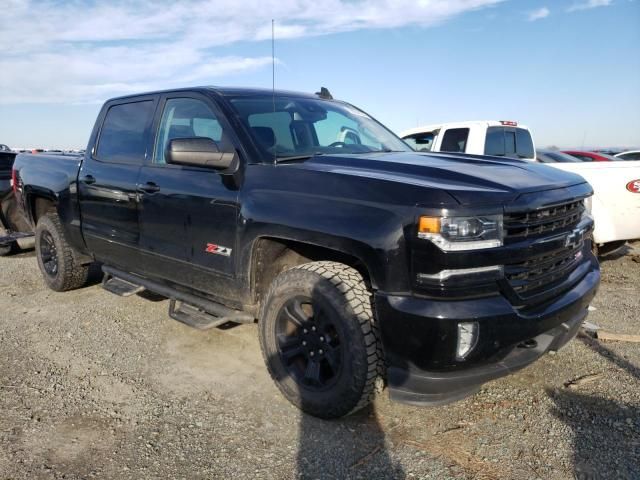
299	127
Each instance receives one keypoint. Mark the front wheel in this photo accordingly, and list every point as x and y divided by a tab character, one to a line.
56	258
319	339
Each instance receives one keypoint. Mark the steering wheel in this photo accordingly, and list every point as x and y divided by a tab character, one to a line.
338	144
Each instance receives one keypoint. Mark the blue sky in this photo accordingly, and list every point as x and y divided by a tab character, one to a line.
570	69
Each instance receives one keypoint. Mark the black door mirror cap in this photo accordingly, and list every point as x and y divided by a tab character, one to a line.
198	152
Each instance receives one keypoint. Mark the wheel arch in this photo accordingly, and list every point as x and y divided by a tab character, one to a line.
271	255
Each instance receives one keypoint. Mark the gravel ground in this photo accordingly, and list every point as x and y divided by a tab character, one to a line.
95	386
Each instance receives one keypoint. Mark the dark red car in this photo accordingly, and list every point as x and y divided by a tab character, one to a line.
591	156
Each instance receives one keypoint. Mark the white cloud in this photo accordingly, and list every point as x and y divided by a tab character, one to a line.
588	4
86	51
538	14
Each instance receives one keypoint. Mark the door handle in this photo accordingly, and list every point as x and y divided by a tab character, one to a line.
148	187
88	179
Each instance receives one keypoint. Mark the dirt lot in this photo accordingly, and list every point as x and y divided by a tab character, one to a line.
95	386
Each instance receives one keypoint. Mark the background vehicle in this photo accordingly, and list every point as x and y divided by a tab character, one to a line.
615	213
305	213
615	205
591	156
629	155
496	138
553	156
14	229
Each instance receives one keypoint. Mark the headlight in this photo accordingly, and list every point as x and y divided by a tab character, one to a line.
462	233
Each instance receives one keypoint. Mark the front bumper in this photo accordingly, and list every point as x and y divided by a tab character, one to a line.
420	335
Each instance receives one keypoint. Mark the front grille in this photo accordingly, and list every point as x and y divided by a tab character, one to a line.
542	273
543	222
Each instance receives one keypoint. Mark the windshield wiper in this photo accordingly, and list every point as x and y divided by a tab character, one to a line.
293	158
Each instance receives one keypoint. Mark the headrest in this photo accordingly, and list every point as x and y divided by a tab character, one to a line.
265	136
181	131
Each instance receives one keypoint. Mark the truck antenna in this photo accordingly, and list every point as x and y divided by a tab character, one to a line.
273	79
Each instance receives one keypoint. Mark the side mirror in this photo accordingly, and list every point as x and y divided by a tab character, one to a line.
198	151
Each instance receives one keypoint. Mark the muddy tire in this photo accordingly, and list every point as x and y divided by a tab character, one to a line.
56	258
319	339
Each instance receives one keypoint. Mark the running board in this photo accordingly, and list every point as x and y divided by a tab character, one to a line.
6	240
195	317
194	311
120	287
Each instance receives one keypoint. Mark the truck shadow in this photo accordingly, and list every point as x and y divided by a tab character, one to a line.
610	355
606	438
606	433
352	447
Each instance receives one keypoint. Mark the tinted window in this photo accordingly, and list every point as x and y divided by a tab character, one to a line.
123	138
455	140
494	142
524	143
509	142
187	118
421	142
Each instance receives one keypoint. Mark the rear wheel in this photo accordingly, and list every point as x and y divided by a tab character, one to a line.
319	339
56	258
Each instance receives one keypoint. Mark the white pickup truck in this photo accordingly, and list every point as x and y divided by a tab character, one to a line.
615	204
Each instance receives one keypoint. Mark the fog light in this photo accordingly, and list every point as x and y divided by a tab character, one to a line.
467	338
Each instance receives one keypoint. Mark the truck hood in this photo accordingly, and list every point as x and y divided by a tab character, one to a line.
468	179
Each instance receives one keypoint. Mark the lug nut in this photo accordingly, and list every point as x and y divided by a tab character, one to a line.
304	344
312	353
313	328
320	352
322	339
305	330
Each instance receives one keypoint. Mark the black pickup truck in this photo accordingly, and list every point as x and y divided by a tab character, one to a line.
362	262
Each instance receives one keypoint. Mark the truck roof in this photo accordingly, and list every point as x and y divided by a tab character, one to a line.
225	91
467	124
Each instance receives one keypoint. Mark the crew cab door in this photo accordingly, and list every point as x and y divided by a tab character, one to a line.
108	178
188	214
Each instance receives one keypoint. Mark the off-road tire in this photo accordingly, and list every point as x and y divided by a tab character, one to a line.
362	368
70	273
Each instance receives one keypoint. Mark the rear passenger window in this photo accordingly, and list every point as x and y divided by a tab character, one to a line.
455	140
123	138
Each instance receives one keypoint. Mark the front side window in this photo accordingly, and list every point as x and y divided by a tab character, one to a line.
301	126
455	140
124	133
187	118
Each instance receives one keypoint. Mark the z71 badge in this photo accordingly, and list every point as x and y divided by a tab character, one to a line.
218	250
